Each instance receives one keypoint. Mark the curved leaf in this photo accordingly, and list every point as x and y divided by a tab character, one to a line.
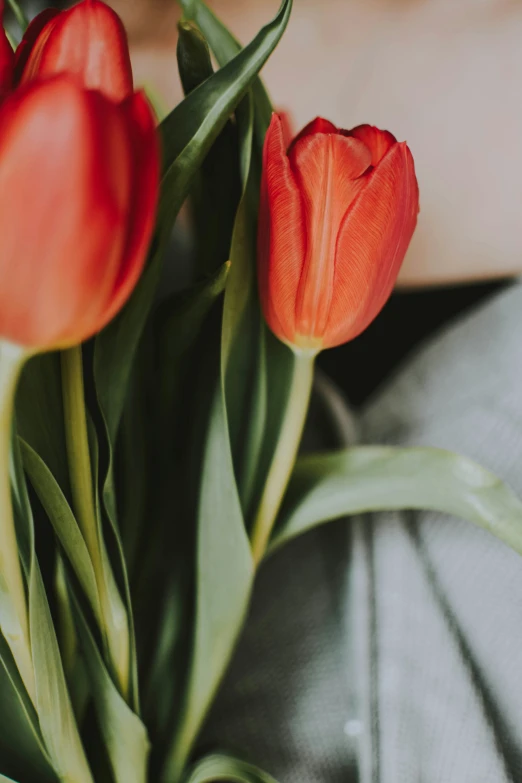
124	735
225	47
39	414
190	129
223	582
19	14
21	744
381	478
56	718
64	523
188	133
215	190
223	767
193	55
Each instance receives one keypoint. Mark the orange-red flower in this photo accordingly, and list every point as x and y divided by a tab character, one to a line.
338	210
87	40
79	174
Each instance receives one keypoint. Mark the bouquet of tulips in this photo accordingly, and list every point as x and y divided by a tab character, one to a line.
149	437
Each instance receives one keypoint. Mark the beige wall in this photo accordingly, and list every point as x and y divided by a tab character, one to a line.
444	74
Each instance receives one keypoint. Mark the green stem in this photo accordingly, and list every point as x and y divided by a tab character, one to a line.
14	622
80	474
76	434
285	453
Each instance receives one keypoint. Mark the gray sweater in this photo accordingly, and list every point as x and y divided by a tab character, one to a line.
388	649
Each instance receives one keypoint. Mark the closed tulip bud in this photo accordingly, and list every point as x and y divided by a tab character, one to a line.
87	40
338	210
80	174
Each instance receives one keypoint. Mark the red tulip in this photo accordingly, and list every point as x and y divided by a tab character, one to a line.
338	210
80	178
6	58
87	40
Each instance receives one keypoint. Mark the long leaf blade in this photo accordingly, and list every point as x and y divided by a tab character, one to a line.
124	735
206	109
225	48
380	478
64	523
55	712
223	583
227	768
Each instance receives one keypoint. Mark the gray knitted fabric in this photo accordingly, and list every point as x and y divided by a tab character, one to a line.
389	649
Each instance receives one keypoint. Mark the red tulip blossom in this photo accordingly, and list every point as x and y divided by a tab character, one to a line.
338	210
80	176
87	40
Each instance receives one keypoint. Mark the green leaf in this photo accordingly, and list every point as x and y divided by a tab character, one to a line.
188	132
178	324
114	353
53	704
163	634
64	523
124	735
54	707
19	14
380	478
115	348
215	191
22	749
224	577
193	56
243	344
39	413
190	129
227	768
115	573
260	367
225	47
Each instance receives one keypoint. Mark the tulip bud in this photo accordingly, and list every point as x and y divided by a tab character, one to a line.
87	40
80	174
338	210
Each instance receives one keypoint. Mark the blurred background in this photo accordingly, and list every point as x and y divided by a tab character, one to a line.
443	74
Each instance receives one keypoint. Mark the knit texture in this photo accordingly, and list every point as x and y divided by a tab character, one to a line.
388	649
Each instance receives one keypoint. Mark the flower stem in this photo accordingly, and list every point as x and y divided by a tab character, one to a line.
285	453
14	622
80	472
114	617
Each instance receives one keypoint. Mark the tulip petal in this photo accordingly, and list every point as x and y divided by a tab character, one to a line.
328	169
373	239
141	125
281	234
378	141
6	64
88	40
319	125
33	36
63	161
6	58
286	121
